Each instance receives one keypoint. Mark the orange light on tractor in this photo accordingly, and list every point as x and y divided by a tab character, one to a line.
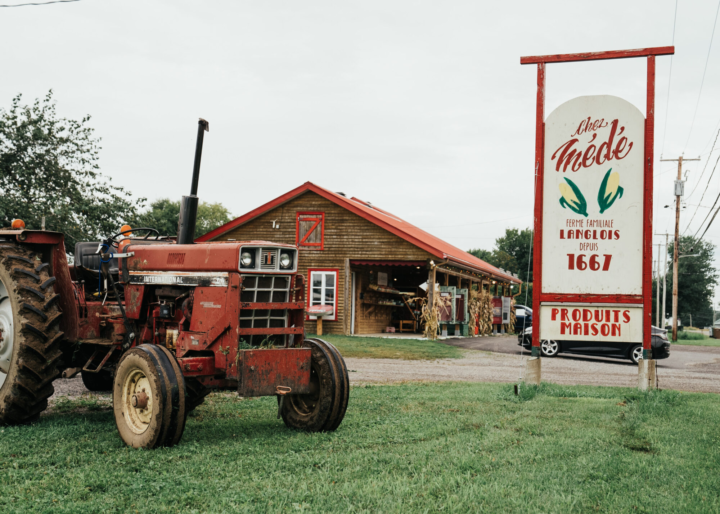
18	224
125	228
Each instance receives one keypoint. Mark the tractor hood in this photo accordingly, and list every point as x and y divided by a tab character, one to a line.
200	257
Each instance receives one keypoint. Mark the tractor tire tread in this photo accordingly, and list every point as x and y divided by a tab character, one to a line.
39	294
22	271
48	283
37	353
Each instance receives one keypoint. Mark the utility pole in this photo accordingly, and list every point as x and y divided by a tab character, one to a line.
679	190
664	296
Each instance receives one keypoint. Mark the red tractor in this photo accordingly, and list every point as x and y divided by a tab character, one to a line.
161	322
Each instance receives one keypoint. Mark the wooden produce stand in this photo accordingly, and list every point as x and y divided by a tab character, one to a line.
388	297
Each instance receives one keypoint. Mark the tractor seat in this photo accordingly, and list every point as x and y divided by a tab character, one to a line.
85	257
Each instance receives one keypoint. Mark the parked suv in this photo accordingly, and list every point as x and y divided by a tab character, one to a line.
660	346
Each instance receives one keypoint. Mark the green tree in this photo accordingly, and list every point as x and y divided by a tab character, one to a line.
512	253
517	244
696	280
485	255
49	167
164	214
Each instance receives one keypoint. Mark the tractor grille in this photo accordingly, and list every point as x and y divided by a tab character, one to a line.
268	260
264	289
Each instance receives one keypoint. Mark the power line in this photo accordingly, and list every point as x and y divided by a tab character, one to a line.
41	3
711	208
705	168
702	82
667	103
708	226
706	185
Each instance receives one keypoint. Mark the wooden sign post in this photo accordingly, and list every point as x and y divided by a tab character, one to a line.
592	261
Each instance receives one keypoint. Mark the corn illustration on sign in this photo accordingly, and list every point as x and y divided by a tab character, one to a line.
592	219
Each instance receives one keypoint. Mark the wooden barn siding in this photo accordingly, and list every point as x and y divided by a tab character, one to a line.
347	236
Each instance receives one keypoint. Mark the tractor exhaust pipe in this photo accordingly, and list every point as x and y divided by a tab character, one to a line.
189	204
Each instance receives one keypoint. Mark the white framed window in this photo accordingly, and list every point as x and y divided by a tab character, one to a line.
322	290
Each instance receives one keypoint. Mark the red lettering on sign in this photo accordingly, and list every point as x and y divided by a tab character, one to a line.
605	329
564	315
575	158
576	314
626	316
577	329
616	330
600	318
588	126
616	317
586	315
554	313
564	327
594	329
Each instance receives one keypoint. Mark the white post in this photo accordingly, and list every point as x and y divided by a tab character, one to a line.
664	312
657	289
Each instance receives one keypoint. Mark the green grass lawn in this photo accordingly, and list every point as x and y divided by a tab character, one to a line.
388	348
407	448
694	339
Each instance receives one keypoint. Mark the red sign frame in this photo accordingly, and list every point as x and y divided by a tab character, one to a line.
646	298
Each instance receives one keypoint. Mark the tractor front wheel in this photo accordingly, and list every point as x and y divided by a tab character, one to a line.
323	409
149	398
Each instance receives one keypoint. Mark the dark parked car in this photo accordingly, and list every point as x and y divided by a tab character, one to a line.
523	318
660	347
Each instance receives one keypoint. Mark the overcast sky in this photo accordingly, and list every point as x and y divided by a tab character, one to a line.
420	107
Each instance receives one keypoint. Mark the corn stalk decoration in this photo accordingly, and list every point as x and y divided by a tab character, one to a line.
513	319
431	316
486	313
474	310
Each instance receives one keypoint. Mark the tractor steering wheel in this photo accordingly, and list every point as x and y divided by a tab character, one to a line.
111	241
144	229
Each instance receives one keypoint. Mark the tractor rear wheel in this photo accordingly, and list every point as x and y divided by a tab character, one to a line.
30	337
149	398
324	407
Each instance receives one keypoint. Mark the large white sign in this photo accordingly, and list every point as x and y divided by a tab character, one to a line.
592	228
595	322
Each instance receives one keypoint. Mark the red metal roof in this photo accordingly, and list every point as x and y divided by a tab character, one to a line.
431	244
387	263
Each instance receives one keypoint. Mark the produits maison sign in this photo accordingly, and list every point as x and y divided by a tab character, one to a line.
592	217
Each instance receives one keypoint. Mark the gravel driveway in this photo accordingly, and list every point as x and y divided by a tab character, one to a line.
499	359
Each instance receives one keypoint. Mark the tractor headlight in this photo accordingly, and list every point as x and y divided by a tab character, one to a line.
285	261
247	260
